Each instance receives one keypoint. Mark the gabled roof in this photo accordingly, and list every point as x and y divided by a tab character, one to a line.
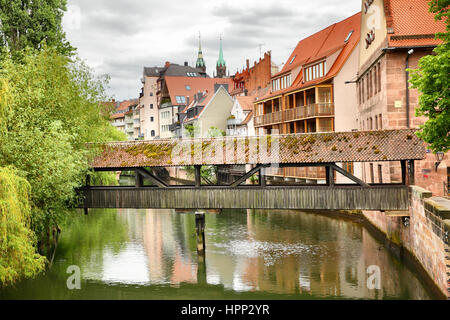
412	23
203	102
319	46
246	102
324	42
177	86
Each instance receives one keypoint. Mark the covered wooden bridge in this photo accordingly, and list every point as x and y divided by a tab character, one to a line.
293	150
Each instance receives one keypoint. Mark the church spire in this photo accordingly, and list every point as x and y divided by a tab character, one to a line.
221	66
200	62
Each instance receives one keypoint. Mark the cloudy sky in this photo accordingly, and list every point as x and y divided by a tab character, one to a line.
119	37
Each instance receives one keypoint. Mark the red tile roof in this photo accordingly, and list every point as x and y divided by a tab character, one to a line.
123	108
412	23
248	118
320	45
177	86
246	102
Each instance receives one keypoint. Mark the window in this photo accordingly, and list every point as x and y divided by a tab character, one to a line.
348	166
362	90
376	122
188	87
380	124
151	94
180	99
348	36
315	71
153	133
152	119
292	60
379	77
151	106
380	173
371	173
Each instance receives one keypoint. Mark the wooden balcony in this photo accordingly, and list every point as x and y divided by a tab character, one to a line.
295	114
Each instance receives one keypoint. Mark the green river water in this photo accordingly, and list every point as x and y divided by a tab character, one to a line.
151	254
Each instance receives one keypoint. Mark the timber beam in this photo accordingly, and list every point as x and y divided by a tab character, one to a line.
248	175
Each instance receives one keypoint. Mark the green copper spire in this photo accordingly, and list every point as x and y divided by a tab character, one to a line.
221	61
200	62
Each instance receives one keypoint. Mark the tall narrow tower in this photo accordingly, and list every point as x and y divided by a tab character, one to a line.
200	62
221	67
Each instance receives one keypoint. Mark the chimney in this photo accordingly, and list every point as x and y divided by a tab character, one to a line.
248	64
185	63
167	64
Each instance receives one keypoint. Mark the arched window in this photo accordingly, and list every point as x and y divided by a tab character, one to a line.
153	133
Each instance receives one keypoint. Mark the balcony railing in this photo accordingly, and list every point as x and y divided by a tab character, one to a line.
294	114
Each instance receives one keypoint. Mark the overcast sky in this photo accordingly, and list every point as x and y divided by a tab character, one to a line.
120	37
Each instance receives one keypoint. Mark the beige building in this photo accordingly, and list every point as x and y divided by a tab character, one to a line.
149	115
209	110
240	122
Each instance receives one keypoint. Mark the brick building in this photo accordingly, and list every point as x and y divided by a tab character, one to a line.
252	80
394	36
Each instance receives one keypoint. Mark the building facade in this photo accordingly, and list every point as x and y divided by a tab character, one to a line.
253	80
208	110
308	93
240	122
390	44
148	103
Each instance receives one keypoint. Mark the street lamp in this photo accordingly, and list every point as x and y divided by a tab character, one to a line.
439	158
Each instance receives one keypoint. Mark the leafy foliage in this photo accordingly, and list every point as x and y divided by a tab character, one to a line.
32	23
18	256
49	110
432	81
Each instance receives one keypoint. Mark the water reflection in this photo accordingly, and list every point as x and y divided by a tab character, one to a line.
249	254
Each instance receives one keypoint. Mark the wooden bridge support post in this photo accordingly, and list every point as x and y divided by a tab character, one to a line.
198	180
262	177
139	181
201	268
329	175
200	229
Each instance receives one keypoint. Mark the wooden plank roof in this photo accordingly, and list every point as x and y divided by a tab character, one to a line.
362	146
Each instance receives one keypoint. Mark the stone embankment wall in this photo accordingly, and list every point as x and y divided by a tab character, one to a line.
423	231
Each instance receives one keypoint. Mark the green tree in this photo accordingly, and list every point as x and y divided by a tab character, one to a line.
432	81
32	23
50	109
18	256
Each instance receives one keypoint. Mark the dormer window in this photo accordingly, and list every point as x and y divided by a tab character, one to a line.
181	99
281	83
315	71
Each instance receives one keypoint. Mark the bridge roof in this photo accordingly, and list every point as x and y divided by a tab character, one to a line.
362	146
